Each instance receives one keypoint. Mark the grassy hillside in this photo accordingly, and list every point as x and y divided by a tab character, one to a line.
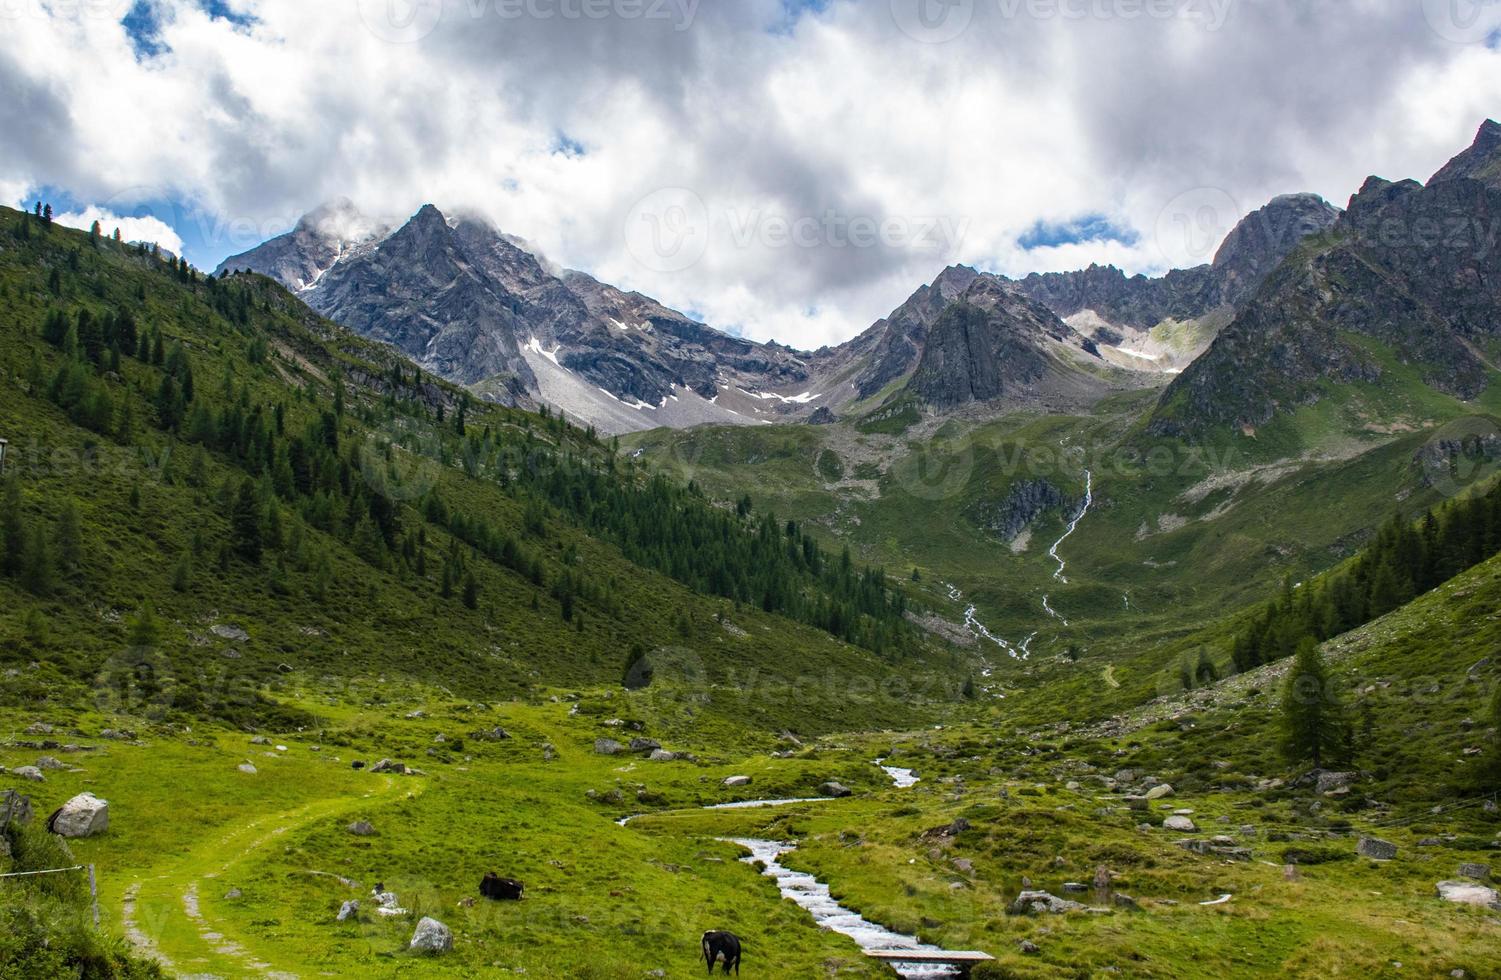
405	534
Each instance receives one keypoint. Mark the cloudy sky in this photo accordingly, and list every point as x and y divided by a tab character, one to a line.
787	169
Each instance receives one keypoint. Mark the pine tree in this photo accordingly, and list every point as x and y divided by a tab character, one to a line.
245	524
38	572
1313	717
12	530
143	631
69	539
471	591
182	573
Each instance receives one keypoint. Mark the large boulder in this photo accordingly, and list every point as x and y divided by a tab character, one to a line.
835	789
1469	893
1376	849
431	936
1158	792
1029	902
732	782
1179	823
83	816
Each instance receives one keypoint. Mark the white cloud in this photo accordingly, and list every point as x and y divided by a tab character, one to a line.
144	229
1027	116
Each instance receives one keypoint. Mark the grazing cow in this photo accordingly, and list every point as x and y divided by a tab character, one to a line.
726	944
498	889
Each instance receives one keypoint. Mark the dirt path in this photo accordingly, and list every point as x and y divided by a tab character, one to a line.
164	918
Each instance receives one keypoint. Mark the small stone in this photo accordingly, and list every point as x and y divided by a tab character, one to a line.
964	865
362	828
246	768
1028	948
351	909
1158	792
731	782
260	740
47	762
662	755
835	789
29	772
233	895
1179	823
607	746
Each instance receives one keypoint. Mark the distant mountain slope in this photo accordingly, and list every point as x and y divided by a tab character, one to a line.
1408	281
479	308
995	343
1167	321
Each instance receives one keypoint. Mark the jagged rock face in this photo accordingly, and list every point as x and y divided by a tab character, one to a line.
424	290
990	344
320	239
1264	238
1415	268
1136	302
1247	256
1011	516
896	343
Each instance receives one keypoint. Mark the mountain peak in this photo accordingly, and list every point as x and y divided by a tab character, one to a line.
1482	161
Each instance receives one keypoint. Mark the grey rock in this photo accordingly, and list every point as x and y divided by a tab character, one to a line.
31	773
247	768
1028	948
1479	872
348	911
1180	824
834	789
83	816
1030	902
232	633
1376	849
734	781
362	828
46	762
661	755
647	745
233	895
607	746
15	808
1160	791
1328	782
431	936
386	765
1468	893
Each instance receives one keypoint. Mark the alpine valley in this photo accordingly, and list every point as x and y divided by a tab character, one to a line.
1074	625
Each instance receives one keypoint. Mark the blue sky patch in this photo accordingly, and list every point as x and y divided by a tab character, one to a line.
1086	228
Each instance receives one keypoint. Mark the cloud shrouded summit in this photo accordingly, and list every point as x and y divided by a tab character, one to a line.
787	170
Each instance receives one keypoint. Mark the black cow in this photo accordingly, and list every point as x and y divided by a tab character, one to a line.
726	944
498	889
